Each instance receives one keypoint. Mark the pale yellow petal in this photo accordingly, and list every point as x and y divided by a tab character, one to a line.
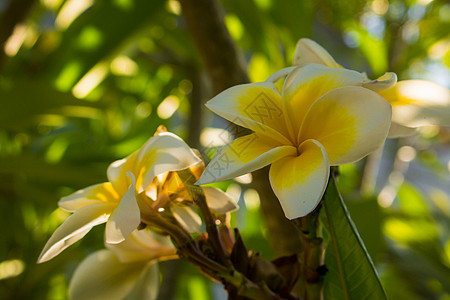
244	155
102	276
308	52
95	194
397	130
419	103
219	201
164	152
117	172
279	74
143	245
161	153
74	228
386	81
350	122
126	217
300	181
307	84
187	218
256	106
147	285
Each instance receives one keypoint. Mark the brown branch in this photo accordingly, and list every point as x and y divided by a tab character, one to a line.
224	63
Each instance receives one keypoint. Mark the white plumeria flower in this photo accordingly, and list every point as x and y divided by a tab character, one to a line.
170	186
323	117
127	270
114	202
414	103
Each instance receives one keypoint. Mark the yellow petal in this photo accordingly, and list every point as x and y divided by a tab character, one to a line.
74	228
307	84
126	217
386	81
143	245
219	201
256	106
350	122
102	276
117	172
244	155
187	218
95	194
300	181
419	103
309	52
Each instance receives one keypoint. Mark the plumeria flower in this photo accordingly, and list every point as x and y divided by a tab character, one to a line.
323	117
414	103
168	192
114	202
128	270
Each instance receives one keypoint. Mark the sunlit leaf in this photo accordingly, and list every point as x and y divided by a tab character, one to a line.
351	273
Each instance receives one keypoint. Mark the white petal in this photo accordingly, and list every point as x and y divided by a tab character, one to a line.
143	245
102	276
147	286
397	130
257	106
162	153
219	201
386	81
187	218
300	181
245	154
74	228
308	52
279	74
126	217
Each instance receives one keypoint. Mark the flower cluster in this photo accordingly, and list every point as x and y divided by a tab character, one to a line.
323	116
142	185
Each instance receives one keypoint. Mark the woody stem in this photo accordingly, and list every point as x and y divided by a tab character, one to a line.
198	196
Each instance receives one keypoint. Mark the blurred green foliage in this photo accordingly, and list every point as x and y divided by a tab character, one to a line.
83	83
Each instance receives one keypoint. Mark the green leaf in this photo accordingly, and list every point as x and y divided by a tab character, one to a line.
351	273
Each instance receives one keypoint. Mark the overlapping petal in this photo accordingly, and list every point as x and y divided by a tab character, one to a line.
103	276
256	106
386	81
74	228
126	216
218	201
350	122
95	194
166	152
308	51
143	245
419	103
397	130
161	153
300	181
307	84
243	155
187	218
